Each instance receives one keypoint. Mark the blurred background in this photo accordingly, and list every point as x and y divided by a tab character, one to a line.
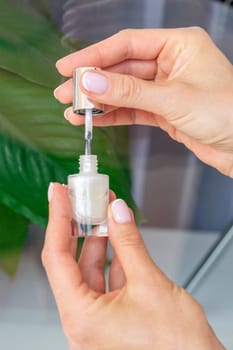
187	206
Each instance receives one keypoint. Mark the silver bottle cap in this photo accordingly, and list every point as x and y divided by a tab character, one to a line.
80	100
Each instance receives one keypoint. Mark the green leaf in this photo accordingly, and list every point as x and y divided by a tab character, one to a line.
25	174
29	44
30	113
36	144
42	147
24	178
12	237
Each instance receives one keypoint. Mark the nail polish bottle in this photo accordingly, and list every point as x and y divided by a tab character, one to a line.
80	101
89	195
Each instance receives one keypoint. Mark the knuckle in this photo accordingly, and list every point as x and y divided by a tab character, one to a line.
187	301
130	238
126	36
47	257
197	29
129	89
125	32
199	33
44	257
194	34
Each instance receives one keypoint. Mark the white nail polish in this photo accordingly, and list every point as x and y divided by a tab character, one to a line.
89	195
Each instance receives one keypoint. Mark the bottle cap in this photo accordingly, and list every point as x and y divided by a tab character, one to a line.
80	100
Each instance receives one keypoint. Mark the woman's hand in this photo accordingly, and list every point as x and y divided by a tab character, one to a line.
143	308
176	79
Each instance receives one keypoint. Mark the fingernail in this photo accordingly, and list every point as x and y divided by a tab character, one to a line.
50	191
66	114
55	92
121	212
95	82
58	62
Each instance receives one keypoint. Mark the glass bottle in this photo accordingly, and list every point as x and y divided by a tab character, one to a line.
89	195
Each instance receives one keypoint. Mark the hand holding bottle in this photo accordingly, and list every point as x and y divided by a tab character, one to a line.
143	310
176	79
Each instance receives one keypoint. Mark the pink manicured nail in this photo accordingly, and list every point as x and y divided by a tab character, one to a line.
55	92
95	82
50	191
58	62
121	212
66	114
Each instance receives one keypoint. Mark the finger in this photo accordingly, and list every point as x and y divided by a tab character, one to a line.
139	69
119	116
91	262
59	229
92	259
127	44
129	246
122	90
112	196
116	275
63	273
64	92
142	69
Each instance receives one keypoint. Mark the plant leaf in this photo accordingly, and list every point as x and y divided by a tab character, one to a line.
25	174
12	237
36	144
24	178
29	113
29	43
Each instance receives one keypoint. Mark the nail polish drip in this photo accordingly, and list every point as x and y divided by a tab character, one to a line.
88	131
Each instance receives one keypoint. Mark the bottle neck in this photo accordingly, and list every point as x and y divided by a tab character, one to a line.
88	164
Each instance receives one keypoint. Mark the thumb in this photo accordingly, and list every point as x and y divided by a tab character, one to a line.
61	267
123	90
128	243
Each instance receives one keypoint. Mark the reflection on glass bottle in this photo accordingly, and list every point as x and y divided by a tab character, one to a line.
89	196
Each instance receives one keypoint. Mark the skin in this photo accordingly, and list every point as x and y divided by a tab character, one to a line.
179	81
143	309
176	79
